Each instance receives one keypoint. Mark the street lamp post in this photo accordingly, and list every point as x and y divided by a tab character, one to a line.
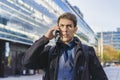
101	46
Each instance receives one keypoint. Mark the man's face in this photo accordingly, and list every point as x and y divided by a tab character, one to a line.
67	30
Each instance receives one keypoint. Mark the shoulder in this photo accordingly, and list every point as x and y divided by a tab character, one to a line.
88	49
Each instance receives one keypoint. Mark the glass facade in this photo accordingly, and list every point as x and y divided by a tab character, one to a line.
111	38
24	21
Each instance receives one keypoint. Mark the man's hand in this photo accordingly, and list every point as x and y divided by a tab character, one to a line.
49	35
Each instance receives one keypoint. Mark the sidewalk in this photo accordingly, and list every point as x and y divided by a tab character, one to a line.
113	73
28	77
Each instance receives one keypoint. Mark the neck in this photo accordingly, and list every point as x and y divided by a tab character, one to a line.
66	42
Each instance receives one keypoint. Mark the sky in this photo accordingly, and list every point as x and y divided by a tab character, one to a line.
100	15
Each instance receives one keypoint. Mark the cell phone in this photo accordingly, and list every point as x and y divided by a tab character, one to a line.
57	32
57	35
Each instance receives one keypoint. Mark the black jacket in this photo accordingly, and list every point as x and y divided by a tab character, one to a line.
40	56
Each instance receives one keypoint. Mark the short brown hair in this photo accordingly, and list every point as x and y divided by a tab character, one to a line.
69	16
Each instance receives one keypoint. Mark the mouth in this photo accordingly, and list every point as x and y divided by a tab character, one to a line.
65	35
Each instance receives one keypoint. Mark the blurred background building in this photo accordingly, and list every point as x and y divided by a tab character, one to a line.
111	38
24	21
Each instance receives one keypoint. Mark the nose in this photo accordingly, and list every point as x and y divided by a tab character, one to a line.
65	28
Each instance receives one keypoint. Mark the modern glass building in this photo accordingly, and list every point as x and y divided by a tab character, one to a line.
111	38
27	20
24	21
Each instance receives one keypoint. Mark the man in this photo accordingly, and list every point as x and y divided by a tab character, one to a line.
66	60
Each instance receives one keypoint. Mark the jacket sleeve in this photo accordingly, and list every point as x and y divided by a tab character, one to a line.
36	57
95	68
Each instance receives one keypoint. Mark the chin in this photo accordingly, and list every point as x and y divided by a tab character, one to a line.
66	39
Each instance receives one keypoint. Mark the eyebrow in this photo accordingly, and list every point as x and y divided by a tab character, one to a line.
66	24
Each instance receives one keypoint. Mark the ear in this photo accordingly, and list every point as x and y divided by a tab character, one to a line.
75	30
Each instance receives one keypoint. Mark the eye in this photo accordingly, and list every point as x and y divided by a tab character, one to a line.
61	26
69	26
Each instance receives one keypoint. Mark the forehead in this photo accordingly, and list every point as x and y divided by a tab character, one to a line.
65	21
